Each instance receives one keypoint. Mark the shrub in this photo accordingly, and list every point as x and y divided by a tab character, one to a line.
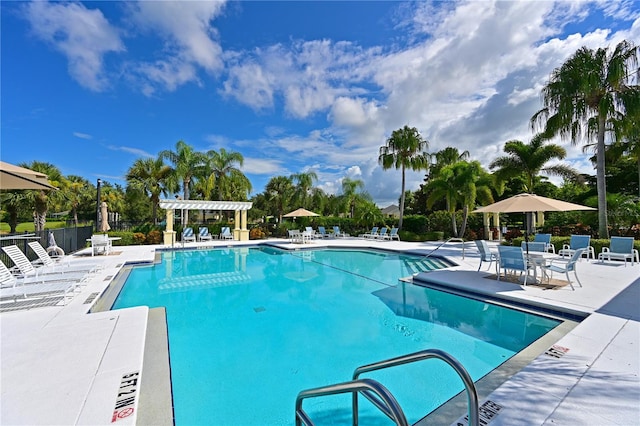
257	234
153	237
139	238
434	236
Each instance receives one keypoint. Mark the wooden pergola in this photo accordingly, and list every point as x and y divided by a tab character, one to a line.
240	231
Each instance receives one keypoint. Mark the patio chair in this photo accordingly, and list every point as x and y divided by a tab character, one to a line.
372	234
308	234
569	266
225	233
620	248
576	242
322	232
486	255
45	260
382	234
513	259
25	269
187	235
100	243
545	238
534	246
338	234
203	234
393	234
12	287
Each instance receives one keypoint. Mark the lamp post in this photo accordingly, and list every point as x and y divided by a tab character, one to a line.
98	206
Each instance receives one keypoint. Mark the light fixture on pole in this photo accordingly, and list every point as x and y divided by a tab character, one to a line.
98	205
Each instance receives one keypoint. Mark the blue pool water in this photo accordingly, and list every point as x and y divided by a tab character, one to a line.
249	328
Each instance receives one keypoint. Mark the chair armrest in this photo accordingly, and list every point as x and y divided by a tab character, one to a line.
566	247
605	249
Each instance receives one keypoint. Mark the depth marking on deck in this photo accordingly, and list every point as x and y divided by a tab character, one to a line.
556	351
126	399
486	413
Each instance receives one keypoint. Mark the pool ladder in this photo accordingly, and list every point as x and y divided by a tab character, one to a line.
380	395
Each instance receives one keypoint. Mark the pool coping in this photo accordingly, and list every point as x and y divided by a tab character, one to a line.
605	343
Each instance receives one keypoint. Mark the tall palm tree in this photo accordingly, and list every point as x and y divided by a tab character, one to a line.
280	192
225	170
405	148
583	97
150	175
186	162
446	157
304	182
529	160
78	191
41	198
460	184
350	194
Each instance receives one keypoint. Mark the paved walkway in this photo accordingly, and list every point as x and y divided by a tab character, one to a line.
60	365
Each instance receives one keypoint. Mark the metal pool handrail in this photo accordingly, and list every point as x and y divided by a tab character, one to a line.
472	394
384	400
460	240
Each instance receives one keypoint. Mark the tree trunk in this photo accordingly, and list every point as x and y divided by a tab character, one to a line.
465	215
603	228
402	200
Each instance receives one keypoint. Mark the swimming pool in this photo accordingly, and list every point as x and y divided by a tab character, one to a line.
250	327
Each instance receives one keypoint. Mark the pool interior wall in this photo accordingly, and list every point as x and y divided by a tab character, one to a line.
451	409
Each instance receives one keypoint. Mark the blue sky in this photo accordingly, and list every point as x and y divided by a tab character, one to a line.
292	86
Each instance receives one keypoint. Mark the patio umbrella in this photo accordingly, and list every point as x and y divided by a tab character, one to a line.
14	177
527	204
301	213
104	223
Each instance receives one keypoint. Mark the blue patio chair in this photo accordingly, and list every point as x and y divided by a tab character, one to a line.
569	266
339	234
545	238
534	246
225	233
486	255
187	235
382	234
393	234
372	234
204	234
513	259
620	248
577	242
322	232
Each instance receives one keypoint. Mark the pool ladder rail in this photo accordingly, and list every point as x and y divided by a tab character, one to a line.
380	395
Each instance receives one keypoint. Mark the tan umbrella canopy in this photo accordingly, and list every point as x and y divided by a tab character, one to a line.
301	213
14	177
104	223
523	203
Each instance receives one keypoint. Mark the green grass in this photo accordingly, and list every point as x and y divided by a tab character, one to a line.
29	227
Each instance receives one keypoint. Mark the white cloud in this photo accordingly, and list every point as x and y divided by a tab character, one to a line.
82	135
83	35
262	166
189	42
135	151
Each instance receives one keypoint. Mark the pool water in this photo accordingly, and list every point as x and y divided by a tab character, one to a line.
249	328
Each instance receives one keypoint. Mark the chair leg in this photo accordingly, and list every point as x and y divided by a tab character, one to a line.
577	279
569	280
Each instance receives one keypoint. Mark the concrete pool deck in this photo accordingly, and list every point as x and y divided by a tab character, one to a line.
61	365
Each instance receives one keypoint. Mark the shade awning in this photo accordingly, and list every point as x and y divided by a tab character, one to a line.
15	177
205	205
523	203
301	213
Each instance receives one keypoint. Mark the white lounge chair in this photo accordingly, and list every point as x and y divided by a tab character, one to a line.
25	268
372	234
393	234
322	232
620	248
187	235
12	287
63	264
338	234
382	235
203	234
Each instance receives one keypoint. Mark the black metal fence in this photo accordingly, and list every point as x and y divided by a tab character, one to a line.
68	239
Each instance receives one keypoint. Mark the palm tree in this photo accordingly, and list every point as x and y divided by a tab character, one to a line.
404	149
186	162
40	199
528	160
225	172
628	141
350	194
445	157
150	175
305	182
78	191
13	202
280	191
461	183
584	96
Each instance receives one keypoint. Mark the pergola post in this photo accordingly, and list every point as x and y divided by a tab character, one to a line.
169	234
487	230
496	224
